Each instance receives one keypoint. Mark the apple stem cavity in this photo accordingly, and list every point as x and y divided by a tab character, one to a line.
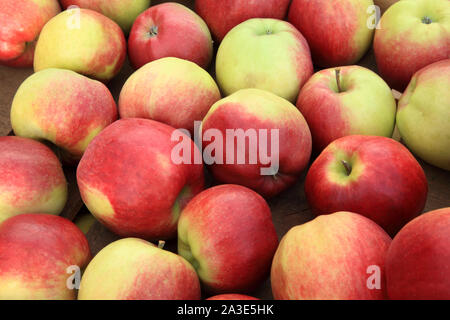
338	80
347	166
161	244
427	20
153	31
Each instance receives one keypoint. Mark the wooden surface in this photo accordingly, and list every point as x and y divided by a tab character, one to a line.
288	209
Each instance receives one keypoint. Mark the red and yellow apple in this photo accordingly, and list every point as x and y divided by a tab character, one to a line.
134	269
37	254
418	259
343	101
83	41
374	176
231	296
22	21
32	178
130	182
254	125
423	115
340	256
170	90
412	34
266	54
62	107
226	232
337	31
223	15
170	30
123	12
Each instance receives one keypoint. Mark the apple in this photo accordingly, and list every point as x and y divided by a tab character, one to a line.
38	255
412	34
83	41
134	269
374	176
32	178
337	31
22	21
169	30
339	256
266	121
226	232
384	4
231	296
170	90
343	101
423	115
123	12
223	15
130	182
266	54
64	108
418	260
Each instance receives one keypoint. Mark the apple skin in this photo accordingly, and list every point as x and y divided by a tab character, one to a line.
363	105
32	178
95	48
231	296
404	44
170	90
134	269
423	115
265	54
62	107
386	183
226	232
328	259
223	15
123	12
384	4
128	181
35	252
179	32
22	21
418	259
260	110
336	30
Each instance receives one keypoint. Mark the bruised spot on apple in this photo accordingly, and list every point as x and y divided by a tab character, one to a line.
128	181
36	251
374	176
64	108
32	179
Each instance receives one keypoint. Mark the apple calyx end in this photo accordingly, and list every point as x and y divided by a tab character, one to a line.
153	32
427	20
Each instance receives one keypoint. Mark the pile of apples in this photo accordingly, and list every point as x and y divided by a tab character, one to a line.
369	240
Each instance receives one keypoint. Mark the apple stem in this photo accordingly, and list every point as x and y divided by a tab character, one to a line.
347	166
338	79
161	244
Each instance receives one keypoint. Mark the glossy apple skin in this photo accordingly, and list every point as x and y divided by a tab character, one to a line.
423	115
328	258
231	296
170	90
386	183
180	33
123	12
22	21
223	15
364	105
418	259
253	109
404	44
336	31
266	54
134	269
83	41
128	181
62	107
226	232
32	178
35	252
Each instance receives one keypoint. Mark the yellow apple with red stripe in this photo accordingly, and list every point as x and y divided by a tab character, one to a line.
134	269
62	107
340	256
